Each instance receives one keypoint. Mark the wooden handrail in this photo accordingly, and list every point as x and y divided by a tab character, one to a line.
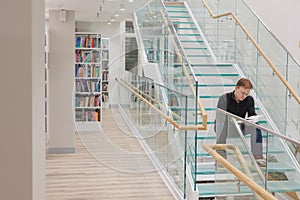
243	177
186	74
170	120
262	53
150	98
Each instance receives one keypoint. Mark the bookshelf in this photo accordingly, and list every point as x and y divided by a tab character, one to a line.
105	71
91	79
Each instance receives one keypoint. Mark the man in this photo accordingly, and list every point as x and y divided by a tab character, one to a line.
240	103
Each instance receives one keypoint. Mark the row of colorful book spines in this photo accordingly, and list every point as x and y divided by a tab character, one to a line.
82	71
88	101
105	65
88	42
87	86
105	43
82	115
105	76
105	55
87	56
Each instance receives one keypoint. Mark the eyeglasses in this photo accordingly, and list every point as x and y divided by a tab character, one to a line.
243	93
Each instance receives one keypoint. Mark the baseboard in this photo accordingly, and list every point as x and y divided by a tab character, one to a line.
61	150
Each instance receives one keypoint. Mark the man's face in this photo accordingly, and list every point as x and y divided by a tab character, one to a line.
241	93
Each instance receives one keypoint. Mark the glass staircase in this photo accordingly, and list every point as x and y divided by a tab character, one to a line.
172	37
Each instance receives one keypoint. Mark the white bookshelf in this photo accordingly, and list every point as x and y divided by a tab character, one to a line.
105	48
88	81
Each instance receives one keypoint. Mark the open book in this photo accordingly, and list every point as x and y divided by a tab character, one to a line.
254	118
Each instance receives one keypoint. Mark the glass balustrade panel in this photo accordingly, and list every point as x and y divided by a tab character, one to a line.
258	153
163	139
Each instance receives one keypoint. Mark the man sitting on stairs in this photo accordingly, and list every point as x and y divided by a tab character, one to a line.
240	103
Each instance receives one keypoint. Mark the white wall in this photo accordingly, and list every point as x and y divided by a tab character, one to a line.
282	17
22	146
61	83
115	32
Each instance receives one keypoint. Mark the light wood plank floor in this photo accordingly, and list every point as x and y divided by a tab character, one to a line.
107	165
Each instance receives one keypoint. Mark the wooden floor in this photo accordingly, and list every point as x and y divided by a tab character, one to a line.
107	165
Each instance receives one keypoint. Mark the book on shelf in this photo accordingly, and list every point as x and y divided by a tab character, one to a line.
87	41
90	53
105	55
105	65
80	70
105	76
104	97
105	44
104	87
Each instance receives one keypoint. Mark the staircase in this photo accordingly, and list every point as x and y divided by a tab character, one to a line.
214	80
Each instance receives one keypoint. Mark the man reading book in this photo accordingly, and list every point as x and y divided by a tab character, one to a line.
240	103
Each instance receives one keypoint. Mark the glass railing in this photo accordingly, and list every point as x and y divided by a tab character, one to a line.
259	55
260	153
163	48
157	112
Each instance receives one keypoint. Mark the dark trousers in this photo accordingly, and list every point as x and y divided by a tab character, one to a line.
256	138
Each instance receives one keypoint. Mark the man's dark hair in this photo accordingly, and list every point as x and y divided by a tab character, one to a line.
246	83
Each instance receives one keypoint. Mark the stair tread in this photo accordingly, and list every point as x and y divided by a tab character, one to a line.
272	167
270	151
284	186
210	189
213	136
199	41
219	74
212	65
180	16
178	22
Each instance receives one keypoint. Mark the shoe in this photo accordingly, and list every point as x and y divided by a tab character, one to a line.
261	162
271	158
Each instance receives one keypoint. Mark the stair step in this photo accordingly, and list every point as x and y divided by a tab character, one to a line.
178	22
188	28
283	186
212	65
186	41
177	11
261	122
189	34
212	189
206	109
214	137
173	6
195	48
200	55
230	74
270	151
180	17
208	169
216	85
209	96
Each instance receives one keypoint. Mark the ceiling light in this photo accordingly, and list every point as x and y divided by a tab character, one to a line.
117	15
122	6
130	1
112	19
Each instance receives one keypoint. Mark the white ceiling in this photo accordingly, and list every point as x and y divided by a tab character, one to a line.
86	10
